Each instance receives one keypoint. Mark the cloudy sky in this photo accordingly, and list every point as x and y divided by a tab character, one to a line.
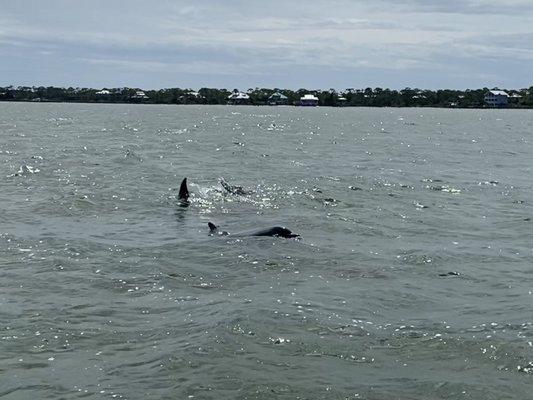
267	43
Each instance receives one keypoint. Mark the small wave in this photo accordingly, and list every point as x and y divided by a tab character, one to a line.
25	170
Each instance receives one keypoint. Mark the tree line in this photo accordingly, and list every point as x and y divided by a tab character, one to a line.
369	97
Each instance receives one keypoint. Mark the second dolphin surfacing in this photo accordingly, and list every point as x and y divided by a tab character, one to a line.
277	231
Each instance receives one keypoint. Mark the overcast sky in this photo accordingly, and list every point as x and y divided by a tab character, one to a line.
267	43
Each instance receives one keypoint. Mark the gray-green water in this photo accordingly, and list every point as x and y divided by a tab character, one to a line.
108	289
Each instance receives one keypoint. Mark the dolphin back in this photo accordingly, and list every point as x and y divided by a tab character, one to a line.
275	231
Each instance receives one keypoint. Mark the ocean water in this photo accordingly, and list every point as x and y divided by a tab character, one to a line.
412	278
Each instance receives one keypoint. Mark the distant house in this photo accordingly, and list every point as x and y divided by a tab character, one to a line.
497	98
238	98
309	100
139	95
342	101
190	96
278	99
103	92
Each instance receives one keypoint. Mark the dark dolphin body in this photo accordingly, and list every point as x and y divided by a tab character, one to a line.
277	231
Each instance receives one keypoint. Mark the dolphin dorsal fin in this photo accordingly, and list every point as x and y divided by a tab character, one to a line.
184	192
212	227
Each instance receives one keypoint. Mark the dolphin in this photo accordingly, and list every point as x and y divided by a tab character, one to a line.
184	193
277	231
233	189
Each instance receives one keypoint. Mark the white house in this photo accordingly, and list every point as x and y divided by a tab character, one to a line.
341	101
139	95
309	100
238	98
103	92
277	99
497	98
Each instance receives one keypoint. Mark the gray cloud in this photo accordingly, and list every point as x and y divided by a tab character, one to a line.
484	7
238	43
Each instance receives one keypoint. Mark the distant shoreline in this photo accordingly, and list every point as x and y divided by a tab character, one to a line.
261	105
369	97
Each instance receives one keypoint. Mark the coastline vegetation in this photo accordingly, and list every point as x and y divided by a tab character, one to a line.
369	97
